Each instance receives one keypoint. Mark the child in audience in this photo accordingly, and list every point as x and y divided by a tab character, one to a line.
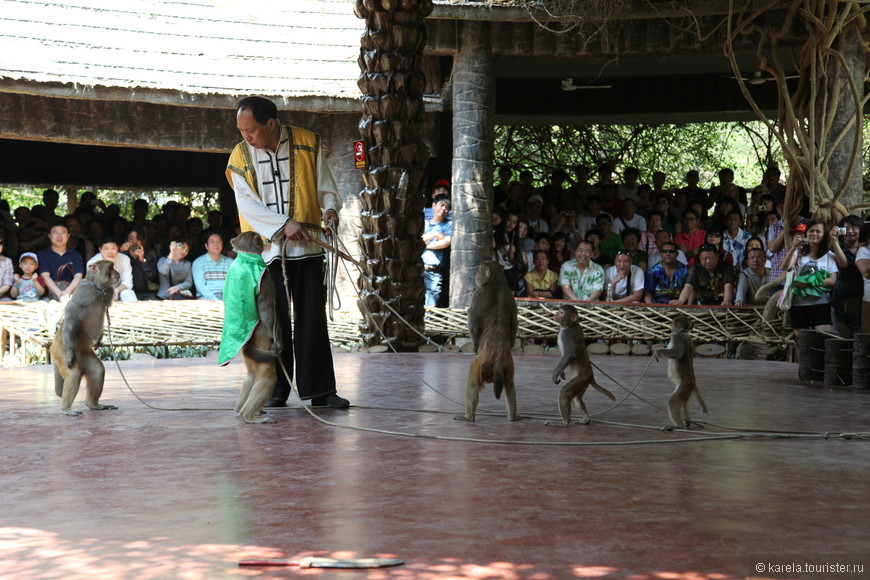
27	287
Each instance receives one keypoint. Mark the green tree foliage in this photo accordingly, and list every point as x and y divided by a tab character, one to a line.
747	148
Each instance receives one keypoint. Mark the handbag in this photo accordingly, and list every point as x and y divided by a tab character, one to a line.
784	300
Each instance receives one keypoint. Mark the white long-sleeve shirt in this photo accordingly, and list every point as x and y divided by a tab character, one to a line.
261	211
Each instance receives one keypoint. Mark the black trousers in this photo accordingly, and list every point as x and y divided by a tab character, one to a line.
306	347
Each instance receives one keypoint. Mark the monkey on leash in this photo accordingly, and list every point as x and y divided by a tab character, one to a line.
251	325
492	324
72	350
681	370
574	366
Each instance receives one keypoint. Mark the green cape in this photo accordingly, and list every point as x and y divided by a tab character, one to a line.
816	281
240	303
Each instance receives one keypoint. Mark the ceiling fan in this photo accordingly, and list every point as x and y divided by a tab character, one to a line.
568	85
758	78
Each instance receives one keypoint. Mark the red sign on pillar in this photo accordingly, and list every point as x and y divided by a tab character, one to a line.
359	154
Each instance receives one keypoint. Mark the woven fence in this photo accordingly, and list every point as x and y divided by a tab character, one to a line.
26	330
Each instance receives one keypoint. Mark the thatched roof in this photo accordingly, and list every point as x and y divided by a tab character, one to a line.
196	51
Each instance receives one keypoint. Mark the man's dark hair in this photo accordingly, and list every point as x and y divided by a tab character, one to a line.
630	232
261	108
536	252
106	240
669	243
852	220
691	212
441	197
542	236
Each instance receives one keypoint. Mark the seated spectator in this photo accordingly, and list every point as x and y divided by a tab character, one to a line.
645	200
5	273
628	189
534	215
109	251
654	222
629	218
663	236
610	241
542	282
580	278
175	272
599	257
630	241
210	270
587	221
32	232
710	282
692	237
624	282
61	269
144	268
559	250
669	222
610	204
734	238
714	238
28	287
751	278
665	280
755	242
566	224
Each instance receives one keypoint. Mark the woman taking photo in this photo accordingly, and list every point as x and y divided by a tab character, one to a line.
815	276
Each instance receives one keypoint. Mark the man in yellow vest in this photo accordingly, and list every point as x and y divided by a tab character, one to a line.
284	190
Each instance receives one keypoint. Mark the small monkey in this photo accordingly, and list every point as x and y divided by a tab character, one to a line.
250	284
681	370
72	351
492	325
574	366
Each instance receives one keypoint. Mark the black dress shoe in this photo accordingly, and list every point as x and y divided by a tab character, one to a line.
275	403
332	401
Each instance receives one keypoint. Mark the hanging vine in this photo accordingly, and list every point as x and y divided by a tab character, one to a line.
809	128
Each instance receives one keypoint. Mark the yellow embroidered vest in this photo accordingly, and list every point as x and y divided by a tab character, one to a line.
302	187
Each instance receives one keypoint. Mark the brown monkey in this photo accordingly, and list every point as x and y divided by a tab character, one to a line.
681	370
250	283
72	350
574	366
492	324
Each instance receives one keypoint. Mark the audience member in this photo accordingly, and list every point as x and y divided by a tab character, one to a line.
610	241
599	257
669	222
710	282
629	218
654	222
560	252
623	282
849	290
60	267
628	189
862	261
734	238
776	246
630	241
815	276
437	236
210	270
109	251
500	189
579	278
175	273
751	278
143	264
593	210
27	287
692	237
6	271
537	222
664	281
644	200
542	282
663	236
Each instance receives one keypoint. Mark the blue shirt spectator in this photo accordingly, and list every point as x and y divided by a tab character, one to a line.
210	270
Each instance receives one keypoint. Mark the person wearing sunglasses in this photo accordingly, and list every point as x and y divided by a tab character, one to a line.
624	282
665	281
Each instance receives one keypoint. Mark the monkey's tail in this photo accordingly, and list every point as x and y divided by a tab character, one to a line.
602	390
499	372
701	400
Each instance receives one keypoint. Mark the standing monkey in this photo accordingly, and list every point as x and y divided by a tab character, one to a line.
250	323
72	351
574	366
492	324
681	370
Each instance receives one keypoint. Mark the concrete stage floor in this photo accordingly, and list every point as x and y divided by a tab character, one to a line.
143	493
